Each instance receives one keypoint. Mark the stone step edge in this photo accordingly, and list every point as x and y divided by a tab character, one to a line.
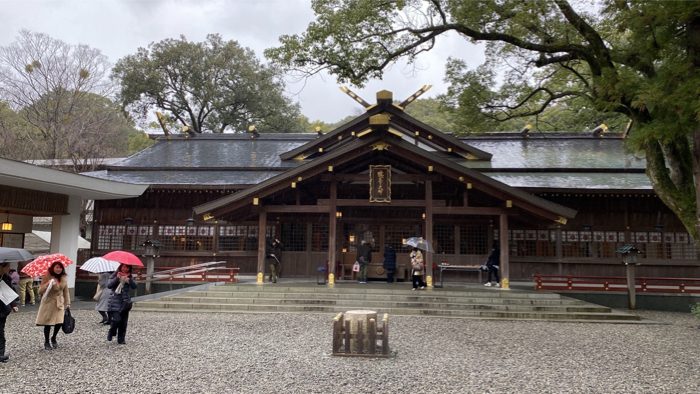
349	304
370	297
331	314
296	308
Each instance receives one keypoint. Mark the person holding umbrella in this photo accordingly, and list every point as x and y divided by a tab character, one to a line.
120	302
55	299
417	267
105	293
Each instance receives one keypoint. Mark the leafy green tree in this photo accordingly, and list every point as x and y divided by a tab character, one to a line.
210	86
433	112
637	58
138	141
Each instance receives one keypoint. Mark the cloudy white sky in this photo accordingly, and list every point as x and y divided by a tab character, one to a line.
119	27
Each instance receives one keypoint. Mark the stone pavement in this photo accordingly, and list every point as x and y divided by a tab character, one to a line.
290	353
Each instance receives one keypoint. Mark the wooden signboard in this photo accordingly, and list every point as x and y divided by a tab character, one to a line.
380	183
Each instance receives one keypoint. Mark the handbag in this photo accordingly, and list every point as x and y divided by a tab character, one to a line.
126	307
98	293
356	267
68	322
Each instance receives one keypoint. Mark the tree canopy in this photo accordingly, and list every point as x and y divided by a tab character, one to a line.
210	86
47	82
636	58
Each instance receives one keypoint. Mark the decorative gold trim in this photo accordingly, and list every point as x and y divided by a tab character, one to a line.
380	146
364	133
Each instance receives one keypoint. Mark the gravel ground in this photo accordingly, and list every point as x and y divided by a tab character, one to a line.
289	353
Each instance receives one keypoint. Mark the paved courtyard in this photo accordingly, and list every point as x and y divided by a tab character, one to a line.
289	353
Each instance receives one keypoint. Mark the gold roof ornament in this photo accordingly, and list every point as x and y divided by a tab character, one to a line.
600	130
414	96
355	97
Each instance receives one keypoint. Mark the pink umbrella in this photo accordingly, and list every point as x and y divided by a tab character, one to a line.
40	265
123	257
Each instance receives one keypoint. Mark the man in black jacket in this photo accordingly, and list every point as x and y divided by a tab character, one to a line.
274	251
364	257
493	265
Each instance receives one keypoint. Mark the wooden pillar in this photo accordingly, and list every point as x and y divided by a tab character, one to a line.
262	224
429	231
332	230
504	260
558	244
457	240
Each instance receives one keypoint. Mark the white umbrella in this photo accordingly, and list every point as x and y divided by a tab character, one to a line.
420	243
15	254
98	265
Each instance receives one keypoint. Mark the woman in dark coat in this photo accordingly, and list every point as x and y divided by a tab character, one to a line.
5	310
120	302
389	262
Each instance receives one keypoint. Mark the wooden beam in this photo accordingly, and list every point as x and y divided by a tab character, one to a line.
394	177
468	210
298	209
393	203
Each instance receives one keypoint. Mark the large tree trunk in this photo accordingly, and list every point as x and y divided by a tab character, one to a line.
681	197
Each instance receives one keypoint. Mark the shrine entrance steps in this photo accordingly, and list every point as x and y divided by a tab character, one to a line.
395	299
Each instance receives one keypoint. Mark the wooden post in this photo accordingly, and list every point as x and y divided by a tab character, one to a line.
337	332
504	260
262	224
150	269
332	229
631	285
429	231
359	323
385	334
372	336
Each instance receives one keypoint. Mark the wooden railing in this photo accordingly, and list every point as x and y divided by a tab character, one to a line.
205	272
615	284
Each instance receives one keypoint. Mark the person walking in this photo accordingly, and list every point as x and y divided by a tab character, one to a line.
102	306
389	262
417	267
273	253
55	299
119	303
493	266
14	279
26	289
5	309
364	257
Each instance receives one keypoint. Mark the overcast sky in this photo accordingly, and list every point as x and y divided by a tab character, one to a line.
119	27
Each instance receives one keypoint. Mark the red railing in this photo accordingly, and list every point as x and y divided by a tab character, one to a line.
615	284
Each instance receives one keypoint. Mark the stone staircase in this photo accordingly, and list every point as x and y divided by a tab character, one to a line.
462	302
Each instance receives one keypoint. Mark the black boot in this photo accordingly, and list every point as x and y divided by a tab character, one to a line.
47	345
3	359
54	343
